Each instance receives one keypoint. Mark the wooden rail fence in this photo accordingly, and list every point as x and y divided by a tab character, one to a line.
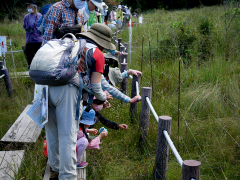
190	168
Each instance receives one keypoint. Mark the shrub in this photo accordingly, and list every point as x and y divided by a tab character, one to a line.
205	26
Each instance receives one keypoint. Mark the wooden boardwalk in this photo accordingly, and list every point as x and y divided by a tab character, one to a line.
81	173
15	74
24	130
10	162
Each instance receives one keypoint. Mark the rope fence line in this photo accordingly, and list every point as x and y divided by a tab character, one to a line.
182	82
165	132
175	152
194	137
10	52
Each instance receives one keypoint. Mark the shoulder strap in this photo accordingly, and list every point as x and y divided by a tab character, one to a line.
76	16
79	97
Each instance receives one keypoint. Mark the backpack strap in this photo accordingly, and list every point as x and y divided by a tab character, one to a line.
79	96
89	104
90	100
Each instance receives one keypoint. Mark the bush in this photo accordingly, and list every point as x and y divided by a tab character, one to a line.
205	26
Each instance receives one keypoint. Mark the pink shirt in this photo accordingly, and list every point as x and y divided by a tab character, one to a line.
113	15
93	144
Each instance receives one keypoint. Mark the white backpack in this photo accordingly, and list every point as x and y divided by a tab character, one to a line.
56	62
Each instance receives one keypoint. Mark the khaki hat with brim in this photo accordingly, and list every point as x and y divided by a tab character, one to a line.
110	56
115	76
100	34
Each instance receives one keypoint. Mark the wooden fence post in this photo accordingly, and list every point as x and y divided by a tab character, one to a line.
119	41
6	77
116	31
122	48
121	57
134	107
125	55
126	46
145	115
162	152
124	66
191	170
114	41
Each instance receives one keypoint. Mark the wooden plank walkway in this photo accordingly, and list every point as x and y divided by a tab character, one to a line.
15	74
10	162
81	173
24	130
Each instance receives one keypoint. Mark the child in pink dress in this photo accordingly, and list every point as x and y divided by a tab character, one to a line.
83	141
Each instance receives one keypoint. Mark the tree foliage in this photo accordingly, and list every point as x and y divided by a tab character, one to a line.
10	8
168	4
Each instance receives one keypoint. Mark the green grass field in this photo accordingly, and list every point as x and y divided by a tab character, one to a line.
209	98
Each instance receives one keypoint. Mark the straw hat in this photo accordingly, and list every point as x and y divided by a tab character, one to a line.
100	34
115	76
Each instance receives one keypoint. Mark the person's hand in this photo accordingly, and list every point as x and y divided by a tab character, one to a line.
108	95
135	99
103	134
123	126
93	131
118	53
136	73
106	104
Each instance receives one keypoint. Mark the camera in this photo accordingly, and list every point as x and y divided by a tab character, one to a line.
29	29
102	129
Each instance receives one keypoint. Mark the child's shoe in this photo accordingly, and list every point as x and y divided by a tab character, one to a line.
81	164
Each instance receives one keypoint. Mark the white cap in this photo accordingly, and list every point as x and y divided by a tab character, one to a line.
103	4
119	6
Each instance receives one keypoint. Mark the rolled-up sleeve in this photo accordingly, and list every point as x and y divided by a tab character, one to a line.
52	20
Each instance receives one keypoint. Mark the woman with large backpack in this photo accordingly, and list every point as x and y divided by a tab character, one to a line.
63	124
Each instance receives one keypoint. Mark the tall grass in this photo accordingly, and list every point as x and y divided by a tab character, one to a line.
209	106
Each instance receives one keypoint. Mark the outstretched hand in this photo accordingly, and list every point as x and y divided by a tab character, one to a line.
108	95
123	126
93	131
136	73
118	53
106	104
135	99
103	134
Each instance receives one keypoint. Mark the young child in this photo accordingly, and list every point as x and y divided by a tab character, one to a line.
83	141
97	106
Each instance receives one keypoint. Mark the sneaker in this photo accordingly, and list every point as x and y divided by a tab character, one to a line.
53	175
81	164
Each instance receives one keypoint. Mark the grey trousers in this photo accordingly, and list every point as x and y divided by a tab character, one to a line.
62	129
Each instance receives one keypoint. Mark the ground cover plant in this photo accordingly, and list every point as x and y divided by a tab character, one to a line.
209	98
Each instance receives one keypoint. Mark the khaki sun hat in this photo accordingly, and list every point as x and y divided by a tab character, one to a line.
113	59
115	76
100	34
110	56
